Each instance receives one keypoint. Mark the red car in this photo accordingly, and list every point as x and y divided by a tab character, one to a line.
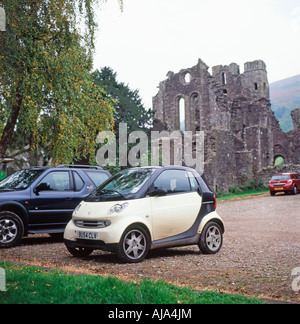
285	182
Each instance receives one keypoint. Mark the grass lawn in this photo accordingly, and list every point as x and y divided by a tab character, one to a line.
32	285
245	193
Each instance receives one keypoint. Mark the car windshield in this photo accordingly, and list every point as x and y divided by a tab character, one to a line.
20	180
122	186
281	177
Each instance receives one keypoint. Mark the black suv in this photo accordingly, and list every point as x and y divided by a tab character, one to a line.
42	200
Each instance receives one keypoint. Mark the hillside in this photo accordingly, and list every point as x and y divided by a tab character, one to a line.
285	97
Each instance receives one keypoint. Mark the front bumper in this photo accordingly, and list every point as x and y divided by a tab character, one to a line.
95	245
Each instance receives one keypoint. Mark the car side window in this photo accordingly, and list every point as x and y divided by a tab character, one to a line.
78	181
97	177
193	181
58	181
174	181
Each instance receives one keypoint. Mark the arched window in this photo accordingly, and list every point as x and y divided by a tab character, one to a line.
188	78
224	78
182	115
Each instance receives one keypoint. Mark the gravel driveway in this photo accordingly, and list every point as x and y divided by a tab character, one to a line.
261	249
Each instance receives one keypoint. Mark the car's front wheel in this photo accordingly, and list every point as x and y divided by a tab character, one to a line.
134	245
211	239
11	229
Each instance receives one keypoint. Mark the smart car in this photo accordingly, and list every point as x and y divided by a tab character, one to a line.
146	208
42	200
285	182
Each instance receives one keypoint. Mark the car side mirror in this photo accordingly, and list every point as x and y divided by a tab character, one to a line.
42	187
158	192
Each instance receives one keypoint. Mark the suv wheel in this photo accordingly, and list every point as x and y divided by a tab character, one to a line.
134	245
211	239
11	229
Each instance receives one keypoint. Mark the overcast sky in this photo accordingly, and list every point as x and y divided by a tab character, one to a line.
152	37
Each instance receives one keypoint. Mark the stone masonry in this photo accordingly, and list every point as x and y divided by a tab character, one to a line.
242	135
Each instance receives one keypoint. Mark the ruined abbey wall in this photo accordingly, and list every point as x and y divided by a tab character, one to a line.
242	135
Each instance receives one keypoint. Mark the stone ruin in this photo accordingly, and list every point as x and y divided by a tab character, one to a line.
242	134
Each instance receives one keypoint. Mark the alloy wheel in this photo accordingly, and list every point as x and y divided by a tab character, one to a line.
134	244
8	230
213	238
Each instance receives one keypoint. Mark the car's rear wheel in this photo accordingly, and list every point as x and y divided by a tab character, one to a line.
211	239
134	245
11	229
295	191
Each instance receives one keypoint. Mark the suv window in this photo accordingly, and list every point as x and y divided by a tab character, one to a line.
78	181
174	181
58	181
97	177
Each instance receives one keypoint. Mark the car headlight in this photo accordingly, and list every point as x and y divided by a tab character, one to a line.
77	208
118	208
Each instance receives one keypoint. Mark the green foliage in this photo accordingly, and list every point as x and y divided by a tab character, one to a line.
279	161
128	107
128	104
47	96
248	188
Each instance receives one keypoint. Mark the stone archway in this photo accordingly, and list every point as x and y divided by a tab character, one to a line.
280	155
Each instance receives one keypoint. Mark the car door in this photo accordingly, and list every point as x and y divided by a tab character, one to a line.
176	212
54	205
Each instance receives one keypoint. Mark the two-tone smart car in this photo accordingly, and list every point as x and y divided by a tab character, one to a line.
141	209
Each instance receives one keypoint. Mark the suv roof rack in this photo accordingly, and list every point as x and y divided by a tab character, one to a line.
79	166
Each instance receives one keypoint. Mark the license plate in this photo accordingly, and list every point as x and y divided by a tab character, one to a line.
279	188
87	236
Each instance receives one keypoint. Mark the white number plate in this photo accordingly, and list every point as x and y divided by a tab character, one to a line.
87	236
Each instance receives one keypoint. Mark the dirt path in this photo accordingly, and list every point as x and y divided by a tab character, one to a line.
261	249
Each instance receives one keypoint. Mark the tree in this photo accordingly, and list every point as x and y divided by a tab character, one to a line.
47	95
128	107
